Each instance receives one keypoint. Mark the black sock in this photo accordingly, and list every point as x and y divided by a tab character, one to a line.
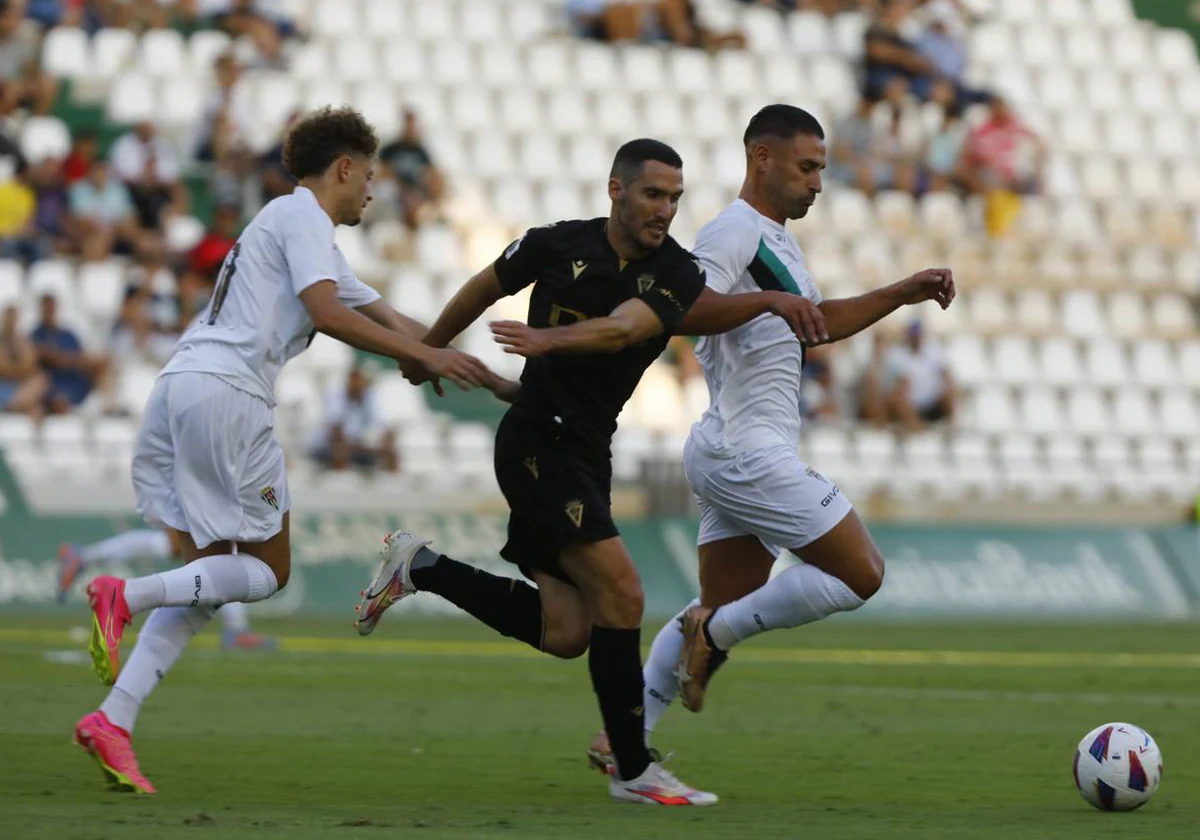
508	606
615	661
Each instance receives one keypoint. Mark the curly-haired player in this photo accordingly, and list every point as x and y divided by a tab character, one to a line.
206	464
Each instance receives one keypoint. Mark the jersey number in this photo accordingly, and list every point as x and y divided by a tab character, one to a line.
223	281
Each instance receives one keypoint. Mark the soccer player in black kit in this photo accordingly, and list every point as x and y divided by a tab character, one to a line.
629	286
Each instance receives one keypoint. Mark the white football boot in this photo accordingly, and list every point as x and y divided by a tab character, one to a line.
657	786
392	582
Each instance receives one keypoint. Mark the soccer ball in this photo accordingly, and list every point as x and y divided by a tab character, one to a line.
1118	767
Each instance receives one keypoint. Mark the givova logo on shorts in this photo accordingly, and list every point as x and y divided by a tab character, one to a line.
268	496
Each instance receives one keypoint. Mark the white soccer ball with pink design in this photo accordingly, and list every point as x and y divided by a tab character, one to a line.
1118	767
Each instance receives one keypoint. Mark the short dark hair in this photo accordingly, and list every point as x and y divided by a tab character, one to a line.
321	137
627	165
783	122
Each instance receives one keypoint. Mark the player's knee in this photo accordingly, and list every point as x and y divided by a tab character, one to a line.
622	602
282	574
869	574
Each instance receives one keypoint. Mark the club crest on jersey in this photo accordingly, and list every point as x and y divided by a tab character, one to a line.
577	268
574	511
532	466
268	496
644	283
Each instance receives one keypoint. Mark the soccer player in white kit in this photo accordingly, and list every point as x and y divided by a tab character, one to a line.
206	463
756	497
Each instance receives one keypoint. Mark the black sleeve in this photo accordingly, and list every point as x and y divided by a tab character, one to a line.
673	293
518	266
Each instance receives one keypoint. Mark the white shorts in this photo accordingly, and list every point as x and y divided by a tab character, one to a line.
207	461
767	493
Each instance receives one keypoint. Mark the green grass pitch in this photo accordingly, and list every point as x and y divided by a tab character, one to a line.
440	730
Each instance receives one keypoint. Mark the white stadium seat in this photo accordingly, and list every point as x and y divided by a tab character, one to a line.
1085	49
764	34
1082	316
1087	412
112	51
993	410
433	22
355	60
1106	362
736	72
643	69
1015	362
500	66
203	49
161	53
12	282
1179	414
1153	363
67	53
481	21
549	65
1134	413
182	101
453	63
52	277
810	32
690	71
131	99
1174	50
101	287
1041	411
1189	363
44	137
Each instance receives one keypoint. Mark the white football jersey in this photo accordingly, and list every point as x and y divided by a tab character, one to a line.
255	321
753	372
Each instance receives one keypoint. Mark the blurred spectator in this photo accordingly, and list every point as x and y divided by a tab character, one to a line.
227	122
274	177
149	322
104	215
943	152
206	258
149	167
263	21
52	216
818	395
676	21
891	60
1003	153
873	384
22	82
870	156
85	145
940	44
920	388
352	432
420	181
23	385
1002	160
73	372
681	353
18	204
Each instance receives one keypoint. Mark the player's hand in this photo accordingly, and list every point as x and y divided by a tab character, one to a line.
417	374
505	390
803	316
518	338
465	371
931	284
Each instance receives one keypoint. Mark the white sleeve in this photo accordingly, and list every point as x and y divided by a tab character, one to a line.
308	250
352	291
725	246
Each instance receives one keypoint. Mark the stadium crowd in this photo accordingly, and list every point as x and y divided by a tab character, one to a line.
910	132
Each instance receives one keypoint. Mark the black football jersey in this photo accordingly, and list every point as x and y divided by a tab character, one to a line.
576	275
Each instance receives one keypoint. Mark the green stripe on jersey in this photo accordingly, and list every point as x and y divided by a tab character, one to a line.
769	273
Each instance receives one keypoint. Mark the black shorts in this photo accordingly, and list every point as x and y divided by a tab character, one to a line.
558	492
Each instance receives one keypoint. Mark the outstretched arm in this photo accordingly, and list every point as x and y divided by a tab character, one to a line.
848	316
715	313
630	323
381	312
464	309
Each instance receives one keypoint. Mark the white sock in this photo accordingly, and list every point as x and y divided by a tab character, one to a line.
162	639
142	544
659	671
796	596
206	582
235	618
